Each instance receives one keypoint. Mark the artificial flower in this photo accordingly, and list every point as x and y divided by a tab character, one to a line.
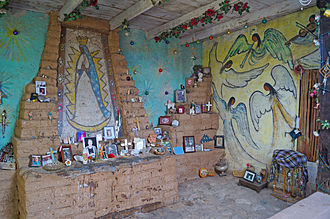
245	6
111	156
194	22
210	12
184	26
157	39
220	16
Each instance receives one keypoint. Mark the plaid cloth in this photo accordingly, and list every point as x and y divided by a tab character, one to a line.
290	159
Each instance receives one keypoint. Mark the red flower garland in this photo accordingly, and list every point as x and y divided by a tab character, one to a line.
208	16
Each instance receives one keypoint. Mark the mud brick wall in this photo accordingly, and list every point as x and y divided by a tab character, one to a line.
189	164
130	110
194	125
36	136
8	198
98	190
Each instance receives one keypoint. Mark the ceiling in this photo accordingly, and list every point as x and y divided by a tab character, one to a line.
155	19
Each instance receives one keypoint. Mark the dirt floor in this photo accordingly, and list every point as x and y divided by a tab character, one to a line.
218	197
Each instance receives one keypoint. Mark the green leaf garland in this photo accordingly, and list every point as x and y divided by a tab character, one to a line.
76	13
4	7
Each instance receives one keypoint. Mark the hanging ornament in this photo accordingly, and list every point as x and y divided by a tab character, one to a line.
146	93
246	26
299	70
198	42
15	32
325	72
167	42
187	44
175	52
264	21
211	37
132	43
160	70
228	32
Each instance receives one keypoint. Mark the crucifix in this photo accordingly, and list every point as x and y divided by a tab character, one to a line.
209	105
124	144
52	152
137	123
2	96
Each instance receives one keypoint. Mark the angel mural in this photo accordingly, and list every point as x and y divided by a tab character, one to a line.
274	43
236	141
306	34
260	104
230	77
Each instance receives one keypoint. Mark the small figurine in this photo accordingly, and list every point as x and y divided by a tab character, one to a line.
50	115
195	84
200	77
170	107
192	108
30	115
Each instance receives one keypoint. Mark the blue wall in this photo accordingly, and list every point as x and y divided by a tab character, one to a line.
19	60
147	57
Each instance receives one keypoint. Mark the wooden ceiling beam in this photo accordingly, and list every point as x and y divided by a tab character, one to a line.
252	18
131	12
67	8
187	17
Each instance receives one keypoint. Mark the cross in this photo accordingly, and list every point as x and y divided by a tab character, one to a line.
137	123
52	152
124	144
208	106
2	96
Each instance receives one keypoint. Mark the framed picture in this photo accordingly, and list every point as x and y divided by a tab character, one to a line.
180	109
66	153
249	175
180	96
188	144
41	88
198	109
259	179
109	132
81	135
164	120
89	147
158	131
35	161
219	141
46	159
199	147
111	149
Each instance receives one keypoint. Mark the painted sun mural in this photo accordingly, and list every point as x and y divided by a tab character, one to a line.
87	104
255	90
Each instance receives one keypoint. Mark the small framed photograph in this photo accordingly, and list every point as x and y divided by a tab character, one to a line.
41	88
89	147
81	135
219	141
164	120
198	109
180	96
158	131
180	109
259	179
109	132
199	147
190	81
111	150
66	153
35	161
188	144
46	159
203	108
249	175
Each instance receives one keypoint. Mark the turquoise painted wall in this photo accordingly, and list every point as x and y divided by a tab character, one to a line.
19	60
146	57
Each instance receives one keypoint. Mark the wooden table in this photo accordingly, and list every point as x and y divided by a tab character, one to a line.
255	186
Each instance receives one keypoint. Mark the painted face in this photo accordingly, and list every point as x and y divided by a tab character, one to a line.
229	64
266	87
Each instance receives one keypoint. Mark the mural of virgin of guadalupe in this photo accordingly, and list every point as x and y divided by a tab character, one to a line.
88	110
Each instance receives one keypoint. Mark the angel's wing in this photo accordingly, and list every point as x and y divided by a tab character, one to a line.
283	80
260	104
239	46
240	115
235	79
220	103
213	55
274	42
